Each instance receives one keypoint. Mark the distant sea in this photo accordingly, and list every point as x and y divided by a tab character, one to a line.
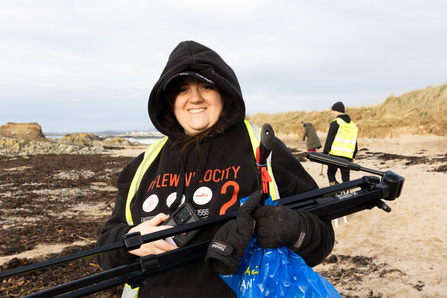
143	140
139	139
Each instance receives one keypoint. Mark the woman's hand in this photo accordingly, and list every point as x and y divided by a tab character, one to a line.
151	226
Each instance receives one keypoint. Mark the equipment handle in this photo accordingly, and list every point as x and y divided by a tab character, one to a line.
262	153
266	144
339	162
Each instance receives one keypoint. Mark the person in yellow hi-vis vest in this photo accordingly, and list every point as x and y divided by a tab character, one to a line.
341	141
206	162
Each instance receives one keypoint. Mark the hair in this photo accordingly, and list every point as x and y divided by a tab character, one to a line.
191	142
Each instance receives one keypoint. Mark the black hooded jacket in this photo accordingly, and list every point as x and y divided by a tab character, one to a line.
229	175
189	55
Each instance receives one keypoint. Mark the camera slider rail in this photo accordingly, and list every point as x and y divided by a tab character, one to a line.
325	203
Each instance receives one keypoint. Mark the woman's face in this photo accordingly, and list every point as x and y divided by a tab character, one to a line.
197	105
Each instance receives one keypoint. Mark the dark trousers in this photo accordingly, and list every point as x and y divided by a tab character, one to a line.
332	170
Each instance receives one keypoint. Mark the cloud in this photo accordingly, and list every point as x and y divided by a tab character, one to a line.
96	62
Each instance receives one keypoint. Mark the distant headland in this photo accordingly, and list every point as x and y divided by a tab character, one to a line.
143	134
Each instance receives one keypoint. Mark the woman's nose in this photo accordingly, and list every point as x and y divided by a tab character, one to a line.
196	96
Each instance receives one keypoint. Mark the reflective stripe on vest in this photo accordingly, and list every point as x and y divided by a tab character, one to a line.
129	292
149	156
345	139
151	153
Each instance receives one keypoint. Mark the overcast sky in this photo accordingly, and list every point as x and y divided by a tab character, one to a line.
89	66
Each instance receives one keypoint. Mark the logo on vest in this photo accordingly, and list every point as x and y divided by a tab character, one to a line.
202	195
171	198
150	203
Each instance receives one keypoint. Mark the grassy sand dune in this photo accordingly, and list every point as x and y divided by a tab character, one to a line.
417	112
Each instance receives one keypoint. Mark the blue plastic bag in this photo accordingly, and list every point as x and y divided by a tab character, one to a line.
279	272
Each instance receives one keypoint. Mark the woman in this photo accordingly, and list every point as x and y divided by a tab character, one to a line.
197	103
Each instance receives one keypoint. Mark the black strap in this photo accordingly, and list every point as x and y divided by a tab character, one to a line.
180	186
195	180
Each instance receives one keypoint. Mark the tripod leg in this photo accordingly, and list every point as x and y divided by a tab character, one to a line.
321	173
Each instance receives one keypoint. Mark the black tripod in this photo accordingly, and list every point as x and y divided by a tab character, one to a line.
365	193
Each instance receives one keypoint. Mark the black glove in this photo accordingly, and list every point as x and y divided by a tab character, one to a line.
278	226
228	245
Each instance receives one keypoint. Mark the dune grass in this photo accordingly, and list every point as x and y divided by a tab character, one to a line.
417	112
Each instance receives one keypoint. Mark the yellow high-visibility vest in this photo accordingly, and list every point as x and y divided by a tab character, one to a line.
152	152
345	139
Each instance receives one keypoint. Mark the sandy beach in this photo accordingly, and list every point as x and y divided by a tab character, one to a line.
407	246
377	254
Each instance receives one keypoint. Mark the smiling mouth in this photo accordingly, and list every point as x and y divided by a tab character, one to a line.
196	111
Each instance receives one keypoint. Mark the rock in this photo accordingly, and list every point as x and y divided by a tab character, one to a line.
69	149
117	142
83	139
13	147
26	131
27	139
84	150
97	150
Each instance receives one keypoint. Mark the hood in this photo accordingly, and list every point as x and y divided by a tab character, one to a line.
345	117
307	124
190	55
